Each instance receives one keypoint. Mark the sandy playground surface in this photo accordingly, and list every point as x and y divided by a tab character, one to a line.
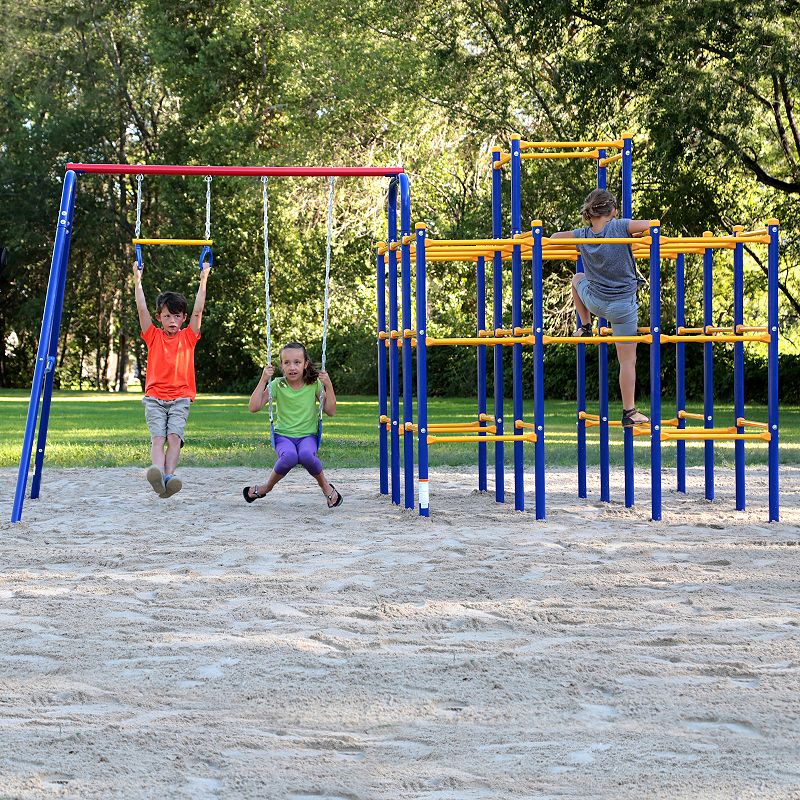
200	648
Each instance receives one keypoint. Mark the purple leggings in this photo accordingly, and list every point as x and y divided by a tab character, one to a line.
296	450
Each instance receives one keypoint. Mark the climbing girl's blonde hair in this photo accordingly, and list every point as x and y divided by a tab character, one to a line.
598	203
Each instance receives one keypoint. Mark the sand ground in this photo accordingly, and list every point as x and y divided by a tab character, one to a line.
199	647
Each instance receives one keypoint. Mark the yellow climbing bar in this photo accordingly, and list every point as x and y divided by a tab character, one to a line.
717	337
525	437
476	341
648	339
577	154
617	144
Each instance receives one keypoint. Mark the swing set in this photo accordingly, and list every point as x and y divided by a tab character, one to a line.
42	386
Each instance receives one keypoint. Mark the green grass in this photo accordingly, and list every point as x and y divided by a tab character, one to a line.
90	429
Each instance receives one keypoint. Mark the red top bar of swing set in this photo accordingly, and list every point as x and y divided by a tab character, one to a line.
167	169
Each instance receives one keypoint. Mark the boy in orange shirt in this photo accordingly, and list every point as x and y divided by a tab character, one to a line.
170	386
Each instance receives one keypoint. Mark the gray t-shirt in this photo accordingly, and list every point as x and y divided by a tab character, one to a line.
609	268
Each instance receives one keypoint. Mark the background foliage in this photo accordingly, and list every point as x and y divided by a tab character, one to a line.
708	88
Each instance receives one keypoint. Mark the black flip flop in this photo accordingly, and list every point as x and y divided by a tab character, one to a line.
251	497
338	501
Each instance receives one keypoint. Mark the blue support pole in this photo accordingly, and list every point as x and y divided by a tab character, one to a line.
627	176
422	372
480	288
772	369
680	369
394	360
708	366
581	404
50	371
408	375
58	266
383	439
738	367
497	322
538	370
602	366
655	369
516	321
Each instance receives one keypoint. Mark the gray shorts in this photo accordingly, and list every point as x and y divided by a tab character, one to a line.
164	417
623	314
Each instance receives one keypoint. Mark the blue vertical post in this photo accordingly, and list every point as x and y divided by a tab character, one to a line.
655	369
738	366
538	370
394	360
627	213
627	176
50	370
58	267
383	439
516	319
602	367
708	366
480	289
422	372
408	397
680	369
772	368
581	404
497	322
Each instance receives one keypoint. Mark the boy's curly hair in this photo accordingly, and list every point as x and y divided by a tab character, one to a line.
175	303
598	203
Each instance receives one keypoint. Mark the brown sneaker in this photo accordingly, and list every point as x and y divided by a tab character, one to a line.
156	479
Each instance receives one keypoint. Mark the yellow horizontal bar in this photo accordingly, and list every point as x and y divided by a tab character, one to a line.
592	154
718	337
469	242
741	422
604	331
520	425
648	339
686	415
714	436
606	240
476	341
525	437
618	144
710	241
504	159
177	242
604	162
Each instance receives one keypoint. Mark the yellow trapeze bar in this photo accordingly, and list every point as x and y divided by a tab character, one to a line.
178	242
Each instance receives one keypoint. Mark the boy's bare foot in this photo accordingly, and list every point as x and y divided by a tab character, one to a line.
156	479
174	485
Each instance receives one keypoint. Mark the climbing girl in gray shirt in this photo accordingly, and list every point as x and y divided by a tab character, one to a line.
607	286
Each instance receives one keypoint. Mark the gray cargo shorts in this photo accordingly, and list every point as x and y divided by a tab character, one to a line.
164	417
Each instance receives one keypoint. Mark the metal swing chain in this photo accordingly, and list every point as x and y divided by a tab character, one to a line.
266	285
208	206
326	300
138	229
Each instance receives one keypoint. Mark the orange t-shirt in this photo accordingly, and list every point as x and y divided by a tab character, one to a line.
170	363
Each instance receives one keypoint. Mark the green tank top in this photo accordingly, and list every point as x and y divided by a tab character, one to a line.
297	410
